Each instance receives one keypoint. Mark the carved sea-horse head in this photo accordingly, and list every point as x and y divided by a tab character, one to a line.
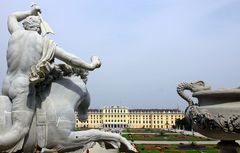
193	87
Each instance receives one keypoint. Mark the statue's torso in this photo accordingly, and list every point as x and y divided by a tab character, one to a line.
24	51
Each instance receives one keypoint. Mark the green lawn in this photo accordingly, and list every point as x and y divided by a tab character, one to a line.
144	130
164	137
148	148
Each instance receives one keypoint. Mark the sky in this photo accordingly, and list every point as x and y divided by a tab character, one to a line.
147	47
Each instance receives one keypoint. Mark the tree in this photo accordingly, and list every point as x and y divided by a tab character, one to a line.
183	124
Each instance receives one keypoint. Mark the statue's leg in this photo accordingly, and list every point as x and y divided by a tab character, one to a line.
83	137
23	106
5	114
82	109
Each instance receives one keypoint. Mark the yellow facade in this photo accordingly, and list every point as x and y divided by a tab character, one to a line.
122	117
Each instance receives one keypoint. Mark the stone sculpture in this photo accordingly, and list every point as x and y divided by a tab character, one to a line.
216	115
37	108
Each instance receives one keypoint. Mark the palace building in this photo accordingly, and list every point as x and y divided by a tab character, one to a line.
122	117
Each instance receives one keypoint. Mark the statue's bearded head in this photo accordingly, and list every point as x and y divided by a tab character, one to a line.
32	23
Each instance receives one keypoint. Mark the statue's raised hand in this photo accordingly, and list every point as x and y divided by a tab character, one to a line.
35	9
96	63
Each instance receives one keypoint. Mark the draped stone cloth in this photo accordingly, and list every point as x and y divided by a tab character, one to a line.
45	64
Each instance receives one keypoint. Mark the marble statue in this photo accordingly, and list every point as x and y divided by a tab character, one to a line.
39	97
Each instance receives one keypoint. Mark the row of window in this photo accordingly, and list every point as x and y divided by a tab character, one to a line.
115	116
159	119
145	126
90	121
115	111
130	121
154	116
136	116
115	120
154	112
149	122
139	116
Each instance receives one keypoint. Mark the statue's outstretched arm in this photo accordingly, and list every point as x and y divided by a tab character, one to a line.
75	61
81	138
16	17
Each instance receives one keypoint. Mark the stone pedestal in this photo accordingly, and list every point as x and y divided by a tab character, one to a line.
228	146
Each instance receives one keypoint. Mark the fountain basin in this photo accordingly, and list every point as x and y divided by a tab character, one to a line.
217	113
216	97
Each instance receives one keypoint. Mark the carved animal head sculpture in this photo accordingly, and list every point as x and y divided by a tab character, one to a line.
193	87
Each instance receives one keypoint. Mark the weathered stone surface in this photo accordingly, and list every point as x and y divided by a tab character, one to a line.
216	115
